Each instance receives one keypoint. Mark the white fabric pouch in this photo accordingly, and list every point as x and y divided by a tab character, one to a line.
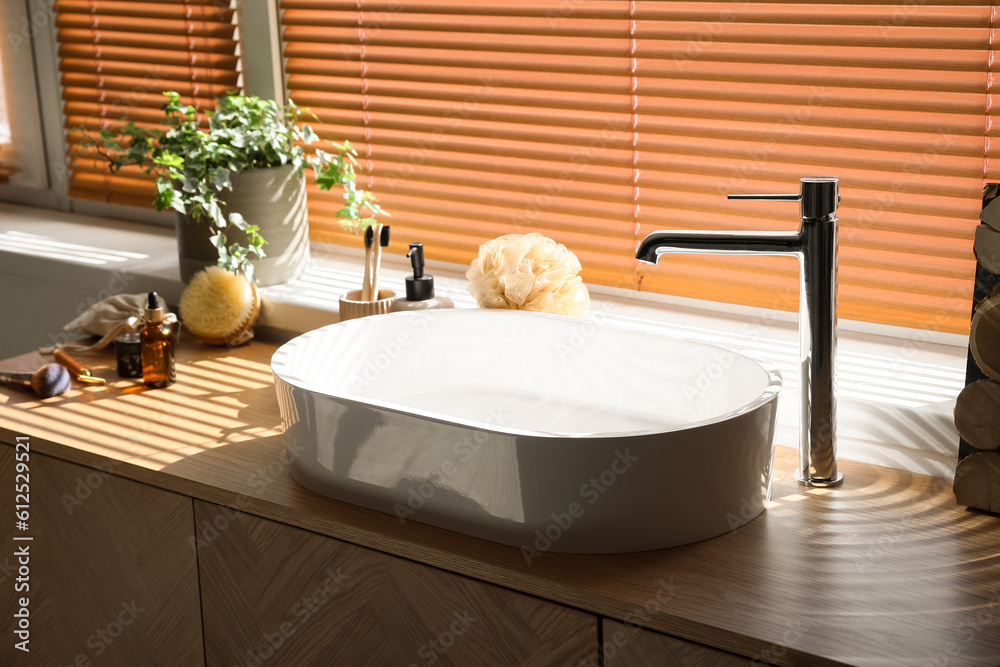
110	318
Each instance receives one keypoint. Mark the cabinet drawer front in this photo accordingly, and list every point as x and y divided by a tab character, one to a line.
280	595
113	579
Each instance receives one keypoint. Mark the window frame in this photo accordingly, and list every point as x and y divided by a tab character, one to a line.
34	21
262	76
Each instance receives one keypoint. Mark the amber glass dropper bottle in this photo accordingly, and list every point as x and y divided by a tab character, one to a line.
157	347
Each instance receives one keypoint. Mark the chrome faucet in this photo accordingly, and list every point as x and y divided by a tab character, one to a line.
815	244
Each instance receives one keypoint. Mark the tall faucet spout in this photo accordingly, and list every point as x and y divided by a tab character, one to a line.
717	243
815	245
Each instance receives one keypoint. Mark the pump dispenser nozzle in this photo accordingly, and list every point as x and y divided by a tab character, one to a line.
418	286
416	255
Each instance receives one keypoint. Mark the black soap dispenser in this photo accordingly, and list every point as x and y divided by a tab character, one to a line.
419	286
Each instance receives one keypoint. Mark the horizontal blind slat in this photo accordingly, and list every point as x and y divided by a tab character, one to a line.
603	9
102	43
191	11
926	118
192	29
326	76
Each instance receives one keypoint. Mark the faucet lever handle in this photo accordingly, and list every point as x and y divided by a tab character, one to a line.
767	197
819	197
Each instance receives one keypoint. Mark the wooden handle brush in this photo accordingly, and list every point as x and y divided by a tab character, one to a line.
366	288
48	381
383	241
81	372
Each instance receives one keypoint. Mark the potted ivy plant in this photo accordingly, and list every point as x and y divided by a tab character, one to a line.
237	182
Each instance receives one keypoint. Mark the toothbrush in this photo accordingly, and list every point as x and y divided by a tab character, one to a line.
366	293
383	241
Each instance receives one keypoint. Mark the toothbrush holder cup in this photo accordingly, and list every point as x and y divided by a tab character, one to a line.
351	305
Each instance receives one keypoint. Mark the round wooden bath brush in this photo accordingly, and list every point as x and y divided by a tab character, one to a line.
220	307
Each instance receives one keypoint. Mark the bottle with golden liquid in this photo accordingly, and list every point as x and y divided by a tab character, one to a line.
157	347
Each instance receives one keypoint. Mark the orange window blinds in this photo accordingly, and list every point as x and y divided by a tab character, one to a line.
596	122
116	58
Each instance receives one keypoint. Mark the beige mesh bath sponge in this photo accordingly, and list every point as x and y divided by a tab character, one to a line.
528	272
220	307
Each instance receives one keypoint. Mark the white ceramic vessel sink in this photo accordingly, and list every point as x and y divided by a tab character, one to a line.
538	431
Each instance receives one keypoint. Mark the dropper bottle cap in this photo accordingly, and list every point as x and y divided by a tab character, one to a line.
154	312
419	286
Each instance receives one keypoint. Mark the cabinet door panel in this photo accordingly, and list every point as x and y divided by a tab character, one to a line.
628	646
112	578
281	595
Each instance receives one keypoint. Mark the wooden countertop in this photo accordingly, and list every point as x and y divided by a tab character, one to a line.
885	570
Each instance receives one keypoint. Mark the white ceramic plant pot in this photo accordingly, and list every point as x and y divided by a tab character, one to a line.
273	199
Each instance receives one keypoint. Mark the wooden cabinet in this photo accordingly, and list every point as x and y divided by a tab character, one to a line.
628	646
273	592
116	568
110	570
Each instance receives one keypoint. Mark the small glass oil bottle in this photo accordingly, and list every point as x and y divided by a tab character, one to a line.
157	347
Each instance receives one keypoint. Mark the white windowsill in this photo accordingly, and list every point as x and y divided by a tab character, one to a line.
896	386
